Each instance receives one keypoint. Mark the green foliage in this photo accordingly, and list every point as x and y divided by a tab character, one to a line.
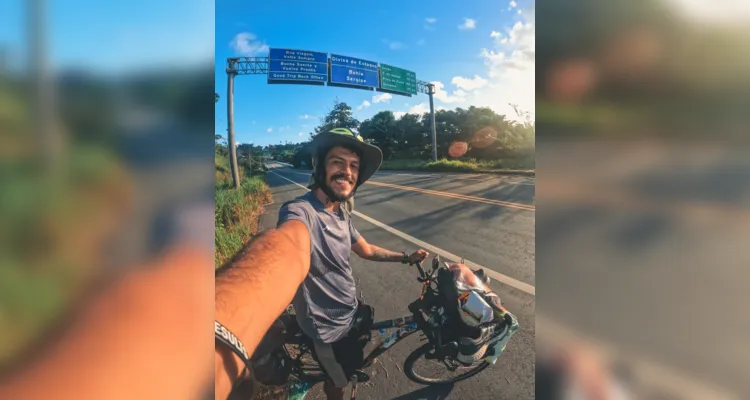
468	165
340	116
236	214
410	137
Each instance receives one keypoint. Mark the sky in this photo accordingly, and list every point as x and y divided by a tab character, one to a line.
477	53
115	36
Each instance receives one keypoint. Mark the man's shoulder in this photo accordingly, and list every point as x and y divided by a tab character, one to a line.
301	206
298	202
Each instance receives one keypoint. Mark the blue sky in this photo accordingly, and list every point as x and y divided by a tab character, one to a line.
480	52
115	35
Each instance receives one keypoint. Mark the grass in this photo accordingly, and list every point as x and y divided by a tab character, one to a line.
444	165
236	212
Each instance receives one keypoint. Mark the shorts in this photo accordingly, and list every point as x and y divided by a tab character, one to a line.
341	358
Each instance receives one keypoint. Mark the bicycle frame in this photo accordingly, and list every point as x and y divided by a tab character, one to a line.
407	327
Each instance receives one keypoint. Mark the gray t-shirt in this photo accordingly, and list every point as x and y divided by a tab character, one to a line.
326	300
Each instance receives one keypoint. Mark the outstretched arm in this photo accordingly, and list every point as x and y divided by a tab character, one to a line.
374	253
254	289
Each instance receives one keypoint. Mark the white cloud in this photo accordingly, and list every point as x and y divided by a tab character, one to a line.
469	83
420	42
419	109
520	12
399	114
300	134
284	128
430	24
512	4
247	44
468	24
382	98
510	69
364	105
269	130
306	116
394	45
443	96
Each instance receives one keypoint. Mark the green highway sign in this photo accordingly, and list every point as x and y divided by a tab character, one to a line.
397	80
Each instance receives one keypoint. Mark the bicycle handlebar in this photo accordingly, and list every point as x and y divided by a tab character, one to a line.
422	275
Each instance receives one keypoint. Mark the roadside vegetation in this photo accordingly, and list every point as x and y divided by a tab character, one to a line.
237	212
525	164
476	139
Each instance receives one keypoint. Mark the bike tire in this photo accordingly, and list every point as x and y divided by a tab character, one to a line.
420	352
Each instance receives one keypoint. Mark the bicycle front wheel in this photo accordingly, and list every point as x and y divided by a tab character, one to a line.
428	371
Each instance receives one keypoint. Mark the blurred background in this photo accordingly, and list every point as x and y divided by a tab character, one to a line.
106	149
643	197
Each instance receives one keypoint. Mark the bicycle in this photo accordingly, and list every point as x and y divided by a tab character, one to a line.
427	315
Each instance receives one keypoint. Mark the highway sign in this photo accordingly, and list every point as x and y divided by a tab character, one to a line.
397	80
298	66
351	71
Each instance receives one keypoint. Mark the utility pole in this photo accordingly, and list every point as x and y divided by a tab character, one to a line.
49	138
230	126
431	91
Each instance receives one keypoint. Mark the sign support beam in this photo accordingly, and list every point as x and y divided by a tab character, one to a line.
259	66
430	92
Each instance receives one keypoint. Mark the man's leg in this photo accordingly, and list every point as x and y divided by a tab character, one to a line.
334	386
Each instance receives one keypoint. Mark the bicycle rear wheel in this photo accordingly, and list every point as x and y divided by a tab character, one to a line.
435	372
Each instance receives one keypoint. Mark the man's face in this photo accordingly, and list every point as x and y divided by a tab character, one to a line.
342	171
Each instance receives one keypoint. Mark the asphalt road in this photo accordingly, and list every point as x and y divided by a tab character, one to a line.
643	247
489	220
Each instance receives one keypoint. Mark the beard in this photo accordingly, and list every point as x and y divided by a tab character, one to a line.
335	195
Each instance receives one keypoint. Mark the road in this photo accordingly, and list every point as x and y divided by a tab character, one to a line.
487	219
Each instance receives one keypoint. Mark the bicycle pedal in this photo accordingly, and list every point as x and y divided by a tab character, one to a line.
362	376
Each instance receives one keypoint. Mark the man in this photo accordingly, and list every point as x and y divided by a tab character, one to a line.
348	205
326	302
307	253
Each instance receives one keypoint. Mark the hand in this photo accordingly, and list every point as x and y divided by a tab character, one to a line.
418	256
119	340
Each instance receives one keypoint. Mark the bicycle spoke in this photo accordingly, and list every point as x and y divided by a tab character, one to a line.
425	369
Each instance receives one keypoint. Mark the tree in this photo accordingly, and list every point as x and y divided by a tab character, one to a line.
485	134
340	116
220	146
380	131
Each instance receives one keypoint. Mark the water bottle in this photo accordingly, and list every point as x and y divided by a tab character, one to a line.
477	307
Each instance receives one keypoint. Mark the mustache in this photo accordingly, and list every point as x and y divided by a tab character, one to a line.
342	176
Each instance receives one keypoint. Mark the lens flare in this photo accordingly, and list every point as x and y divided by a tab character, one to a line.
458	149
484	137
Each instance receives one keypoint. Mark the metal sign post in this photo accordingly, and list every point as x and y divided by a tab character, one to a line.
431	91
230	127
